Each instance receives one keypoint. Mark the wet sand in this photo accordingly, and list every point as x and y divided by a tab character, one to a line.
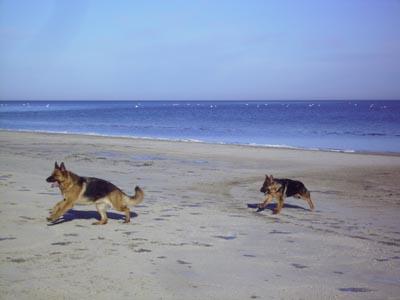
196	235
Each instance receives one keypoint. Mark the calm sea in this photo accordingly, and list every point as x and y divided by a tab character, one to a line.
329	125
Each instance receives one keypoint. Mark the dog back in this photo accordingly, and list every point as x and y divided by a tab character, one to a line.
291	187
97	188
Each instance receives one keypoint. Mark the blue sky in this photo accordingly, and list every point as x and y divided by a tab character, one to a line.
199	50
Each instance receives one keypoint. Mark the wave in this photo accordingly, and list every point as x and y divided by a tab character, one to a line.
354	133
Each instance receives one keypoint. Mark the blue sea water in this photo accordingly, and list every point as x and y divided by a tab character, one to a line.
372	126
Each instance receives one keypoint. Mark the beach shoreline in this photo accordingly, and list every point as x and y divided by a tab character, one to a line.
278	147
194	236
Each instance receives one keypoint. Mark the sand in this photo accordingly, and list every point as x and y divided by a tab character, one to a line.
194	236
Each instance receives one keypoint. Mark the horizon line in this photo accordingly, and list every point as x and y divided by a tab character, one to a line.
195	100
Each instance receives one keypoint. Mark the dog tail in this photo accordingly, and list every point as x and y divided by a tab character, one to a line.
137	198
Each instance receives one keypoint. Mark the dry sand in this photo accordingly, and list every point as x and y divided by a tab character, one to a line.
194	236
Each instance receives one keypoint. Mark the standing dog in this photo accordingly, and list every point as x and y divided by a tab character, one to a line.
282	188
89	190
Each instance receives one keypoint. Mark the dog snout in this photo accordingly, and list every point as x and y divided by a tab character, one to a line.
50	179
263	190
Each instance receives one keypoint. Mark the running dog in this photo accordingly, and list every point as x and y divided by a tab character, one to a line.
89	190
282	188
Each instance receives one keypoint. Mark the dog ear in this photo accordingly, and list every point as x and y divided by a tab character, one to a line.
271	178
56	166
62	167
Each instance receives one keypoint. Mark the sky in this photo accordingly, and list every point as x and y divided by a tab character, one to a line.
199	50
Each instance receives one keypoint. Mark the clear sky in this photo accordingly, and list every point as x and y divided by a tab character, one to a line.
199	50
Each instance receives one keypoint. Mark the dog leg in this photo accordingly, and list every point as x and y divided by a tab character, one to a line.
120	206
127	215
267	200
60	209
278	208
56	207
127	212
307	197
102	209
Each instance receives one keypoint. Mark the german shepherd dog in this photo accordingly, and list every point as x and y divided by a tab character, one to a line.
89	190
282	188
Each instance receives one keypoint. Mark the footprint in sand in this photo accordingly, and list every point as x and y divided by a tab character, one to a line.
5	177
27	218
18	260
168	216
382	259
279	232
202	244
4	180
142	250
7	238
61	243
355	290
225	237
129	233
389	243
249	255
299	266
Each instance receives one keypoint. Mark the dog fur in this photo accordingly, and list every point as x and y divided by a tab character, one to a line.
282	188
89	190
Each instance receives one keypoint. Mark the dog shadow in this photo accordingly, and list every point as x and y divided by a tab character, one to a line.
272	206
74	214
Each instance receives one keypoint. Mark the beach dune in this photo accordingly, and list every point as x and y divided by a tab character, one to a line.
196	235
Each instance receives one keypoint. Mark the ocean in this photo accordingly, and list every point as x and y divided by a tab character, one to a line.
348	126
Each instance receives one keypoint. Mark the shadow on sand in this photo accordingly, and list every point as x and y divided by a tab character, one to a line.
272	206
73	214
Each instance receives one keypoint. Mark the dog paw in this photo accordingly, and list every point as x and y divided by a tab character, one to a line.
99	223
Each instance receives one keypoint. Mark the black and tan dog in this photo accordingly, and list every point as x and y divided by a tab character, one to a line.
89	190
282	188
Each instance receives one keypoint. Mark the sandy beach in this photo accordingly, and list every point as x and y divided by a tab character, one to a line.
194	236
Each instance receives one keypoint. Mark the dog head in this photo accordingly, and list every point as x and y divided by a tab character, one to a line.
59	174
267	183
